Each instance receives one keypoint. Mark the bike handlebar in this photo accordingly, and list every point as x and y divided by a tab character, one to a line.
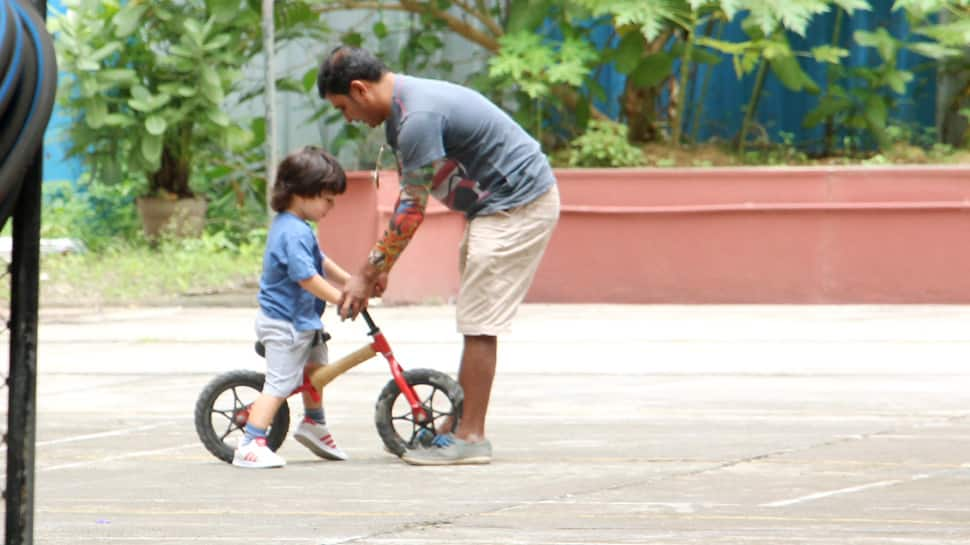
370	322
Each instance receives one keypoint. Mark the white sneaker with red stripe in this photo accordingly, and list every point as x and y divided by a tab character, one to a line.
317	438
255	454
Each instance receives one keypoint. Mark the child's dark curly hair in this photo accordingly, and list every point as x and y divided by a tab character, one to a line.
307	172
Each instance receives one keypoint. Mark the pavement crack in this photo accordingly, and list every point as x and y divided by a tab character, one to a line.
419	525
733	463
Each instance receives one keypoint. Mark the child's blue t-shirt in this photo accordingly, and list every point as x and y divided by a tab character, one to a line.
292	255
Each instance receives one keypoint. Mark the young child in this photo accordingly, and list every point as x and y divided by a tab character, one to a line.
292	296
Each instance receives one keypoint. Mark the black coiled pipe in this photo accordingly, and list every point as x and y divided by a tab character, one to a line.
28	83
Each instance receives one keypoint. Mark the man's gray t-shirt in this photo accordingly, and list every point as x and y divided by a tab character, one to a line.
491	163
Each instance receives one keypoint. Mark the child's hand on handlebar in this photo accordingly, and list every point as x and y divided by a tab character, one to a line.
354	297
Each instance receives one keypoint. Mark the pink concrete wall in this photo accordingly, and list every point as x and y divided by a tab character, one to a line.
349	230
428	269
733	235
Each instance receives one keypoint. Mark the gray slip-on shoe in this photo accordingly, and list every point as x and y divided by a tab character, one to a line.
448	450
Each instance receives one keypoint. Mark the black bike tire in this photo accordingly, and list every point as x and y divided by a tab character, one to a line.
383	418
276	433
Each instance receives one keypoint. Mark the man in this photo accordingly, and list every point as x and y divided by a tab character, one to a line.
454	144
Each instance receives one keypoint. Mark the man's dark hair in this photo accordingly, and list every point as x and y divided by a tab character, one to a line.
345	64
307	172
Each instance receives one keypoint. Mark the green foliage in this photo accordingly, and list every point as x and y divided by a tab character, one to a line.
925	8
126	273
862	97
947	25
649	18
234	185
120	266
146	83
535	66
604	144
99	215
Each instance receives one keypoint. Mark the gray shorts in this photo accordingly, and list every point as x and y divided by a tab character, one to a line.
288	351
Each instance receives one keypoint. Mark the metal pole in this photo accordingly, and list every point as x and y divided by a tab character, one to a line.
269	98
22	381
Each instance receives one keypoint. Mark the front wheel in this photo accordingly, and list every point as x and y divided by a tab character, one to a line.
222	411
437	392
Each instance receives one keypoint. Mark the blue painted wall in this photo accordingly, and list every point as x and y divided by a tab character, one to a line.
781	110
56	165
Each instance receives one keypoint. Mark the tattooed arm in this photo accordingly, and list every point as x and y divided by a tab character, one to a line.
408	215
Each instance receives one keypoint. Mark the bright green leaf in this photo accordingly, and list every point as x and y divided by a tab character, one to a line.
310	80
829	54
934	50
151	148
791	75
210	76
731	48
123	75
194	31
881	40
140	105
88	65
95	115
129	18
219	117
105	51
213	92
118	120
140	92
898	79
218	42
181	51
155	125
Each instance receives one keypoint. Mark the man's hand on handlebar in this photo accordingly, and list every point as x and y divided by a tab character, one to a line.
355	294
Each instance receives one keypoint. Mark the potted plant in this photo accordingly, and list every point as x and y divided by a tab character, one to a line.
146	84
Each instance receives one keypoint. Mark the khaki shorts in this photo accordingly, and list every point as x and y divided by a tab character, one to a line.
498	258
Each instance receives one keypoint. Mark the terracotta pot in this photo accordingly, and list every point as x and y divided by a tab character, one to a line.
181	218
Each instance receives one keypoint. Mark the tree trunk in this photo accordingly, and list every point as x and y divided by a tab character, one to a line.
172	175
269	99
638	108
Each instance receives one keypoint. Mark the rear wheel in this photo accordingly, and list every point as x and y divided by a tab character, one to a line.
439	395
222	411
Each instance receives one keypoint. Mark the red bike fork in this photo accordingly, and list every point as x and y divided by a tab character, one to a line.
381	346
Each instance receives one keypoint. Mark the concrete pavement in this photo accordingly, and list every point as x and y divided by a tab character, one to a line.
611	425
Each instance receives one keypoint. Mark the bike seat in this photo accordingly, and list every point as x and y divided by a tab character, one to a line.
321	336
